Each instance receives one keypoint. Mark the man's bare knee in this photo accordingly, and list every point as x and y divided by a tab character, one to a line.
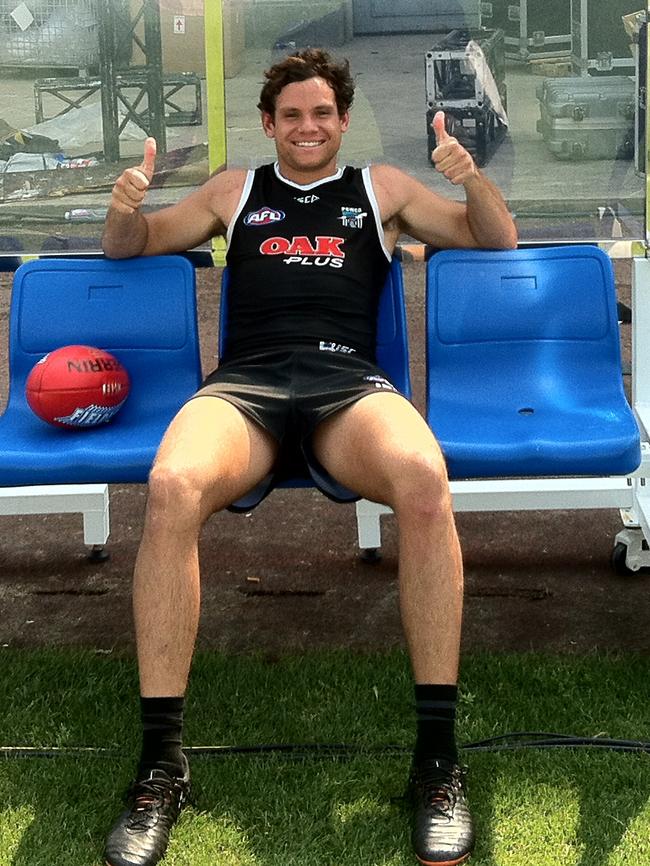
174	498
421	489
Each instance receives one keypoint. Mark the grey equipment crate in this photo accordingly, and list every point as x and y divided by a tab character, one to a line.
450	81
600	45
533	29
468	92
588	118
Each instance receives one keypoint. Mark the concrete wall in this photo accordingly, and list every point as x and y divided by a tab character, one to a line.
326	22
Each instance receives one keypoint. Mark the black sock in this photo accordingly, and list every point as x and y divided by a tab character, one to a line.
436	716
162	734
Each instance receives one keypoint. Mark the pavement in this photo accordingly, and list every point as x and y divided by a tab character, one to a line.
288	577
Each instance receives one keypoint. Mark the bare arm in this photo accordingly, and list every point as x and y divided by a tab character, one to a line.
409	206
201	215
125	230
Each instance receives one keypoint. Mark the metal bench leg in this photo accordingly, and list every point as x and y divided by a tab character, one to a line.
369	528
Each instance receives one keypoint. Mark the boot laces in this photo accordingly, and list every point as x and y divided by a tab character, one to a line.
149	795
440	786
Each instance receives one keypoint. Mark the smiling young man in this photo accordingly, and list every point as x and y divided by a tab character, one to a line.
309	247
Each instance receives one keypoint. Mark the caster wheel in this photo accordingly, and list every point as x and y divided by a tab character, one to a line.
617	559
371	555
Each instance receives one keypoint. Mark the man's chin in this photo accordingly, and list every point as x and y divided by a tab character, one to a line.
308	165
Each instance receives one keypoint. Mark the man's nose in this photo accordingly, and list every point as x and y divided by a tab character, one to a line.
308	123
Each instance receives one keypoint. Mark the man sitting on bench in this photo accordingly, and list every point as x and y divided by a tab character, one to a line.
309	247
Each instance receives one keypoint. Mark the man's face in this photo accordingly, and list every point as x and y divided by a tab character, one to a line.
307	129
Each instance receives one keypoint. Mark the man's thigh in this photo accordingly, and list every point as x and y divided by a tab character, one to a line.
217	448
367	445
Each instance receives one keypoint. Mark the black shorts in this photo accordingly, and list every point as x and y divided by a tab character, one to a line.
289	393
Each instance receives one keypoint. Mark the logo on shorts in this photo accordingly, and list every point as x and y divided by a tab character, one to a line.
264	217
380	383
326	346
352	217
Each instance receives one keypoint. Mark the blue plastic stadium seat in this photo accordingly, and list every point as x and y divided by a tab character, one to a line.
142	310
523	364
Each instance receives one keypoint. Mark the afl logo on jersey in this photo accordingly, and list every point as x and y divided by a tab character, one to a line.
264	217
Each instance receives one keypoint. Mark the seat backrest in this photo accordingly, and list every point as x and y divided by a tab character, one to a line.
392	334
143	310
491	305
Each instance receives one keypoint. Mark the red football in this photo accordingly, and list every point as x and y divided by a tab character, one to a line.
77	386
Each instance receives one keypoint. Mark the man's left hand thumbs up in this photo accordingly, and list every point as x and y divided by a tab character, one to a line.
449	156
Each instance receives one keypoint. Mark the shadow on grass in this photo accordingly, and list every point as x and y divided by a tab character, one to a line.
532	808
570	807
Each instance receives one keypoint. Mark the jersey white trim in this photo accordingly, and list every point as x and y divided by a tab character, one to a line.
243	198
306	186
374	204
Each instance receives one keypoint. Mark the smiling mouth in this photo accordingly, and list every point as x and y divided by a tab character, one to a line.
308	143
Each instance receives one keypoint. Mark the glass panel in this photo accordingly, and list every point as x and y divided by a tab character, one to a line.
561	73
82	82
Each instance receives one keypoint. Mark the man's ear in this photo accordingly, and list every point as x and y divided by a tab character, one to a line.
268	124
345	121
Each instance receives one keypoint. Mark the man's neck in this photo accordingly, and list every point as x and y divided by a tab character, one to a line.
305	178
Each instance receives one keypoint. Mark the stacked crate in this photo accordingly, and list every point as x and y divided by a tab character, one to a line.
532	29
600	45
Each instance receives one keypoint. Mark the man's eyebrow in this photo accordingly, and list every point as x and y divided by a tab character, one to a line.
319	107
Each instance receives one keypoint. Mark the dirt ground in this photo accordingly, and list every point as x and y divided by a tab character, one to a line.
288	577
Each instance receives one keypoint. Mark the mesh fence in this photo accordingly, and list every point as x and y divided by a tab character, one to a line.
49	33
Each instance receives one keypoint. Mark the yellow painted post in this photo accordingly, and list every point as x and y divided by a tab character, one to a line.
215	87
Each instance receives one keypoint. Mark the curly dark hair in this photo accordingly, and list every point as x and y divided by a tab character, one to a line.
302	65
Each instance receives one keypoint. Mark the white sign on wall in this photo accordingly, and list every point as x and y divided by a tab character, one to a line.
22	16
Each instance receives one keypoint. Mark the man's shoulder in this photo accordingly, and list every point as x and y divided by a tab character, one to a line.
225	182
390	183
382	171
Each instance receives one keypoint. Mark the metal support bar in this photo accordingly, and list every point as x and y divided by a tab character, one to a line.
156	103
152	121
109	85
91	500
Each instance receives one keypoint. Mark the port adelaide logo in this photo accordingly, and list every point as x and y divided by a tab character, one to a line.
265	216
353	217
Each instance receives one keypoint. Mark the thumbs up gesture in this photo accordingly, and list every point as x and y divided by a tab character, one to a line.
132	185
449	156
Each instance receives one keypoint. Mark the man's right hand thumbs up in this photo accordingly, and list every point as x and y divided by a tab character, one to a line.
149	161
132	185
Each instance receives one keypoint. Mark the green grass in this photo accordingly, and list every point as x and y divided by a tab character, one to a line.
532	808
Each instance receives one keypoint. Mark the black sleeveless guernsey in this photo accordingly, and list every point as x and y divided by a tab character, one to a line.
307	264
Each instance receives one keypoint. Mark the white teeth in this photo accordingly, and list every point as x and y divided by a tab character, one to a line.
308	143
